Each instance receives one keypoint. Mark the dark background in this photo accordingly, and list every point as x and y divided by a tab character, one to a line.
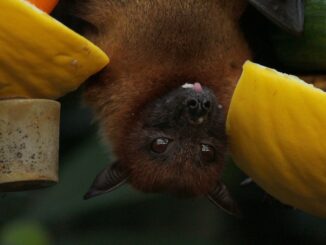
58	215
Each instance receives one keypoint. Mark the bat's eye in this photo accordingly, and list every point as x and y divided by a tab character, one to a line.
208	153
160	145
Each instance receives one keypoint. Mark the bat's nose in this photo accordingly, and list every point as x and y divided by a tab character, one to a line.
198	108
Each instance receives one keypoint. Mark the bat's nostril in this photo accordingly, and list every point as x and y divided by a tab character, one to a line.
192	103
206	105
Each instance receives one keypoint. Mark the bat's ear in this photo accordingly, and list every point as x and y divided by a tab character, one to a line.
221	198
107	180
288	14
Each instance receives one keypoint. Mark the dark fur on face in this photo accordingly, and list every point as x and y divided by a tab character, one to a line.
155	47
183	167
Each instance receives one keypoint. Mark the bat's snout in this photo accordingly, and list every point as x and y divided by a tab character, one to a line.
198	105
198	108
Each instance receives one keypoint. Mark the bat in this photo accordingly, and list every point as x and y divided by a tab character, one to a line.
163	100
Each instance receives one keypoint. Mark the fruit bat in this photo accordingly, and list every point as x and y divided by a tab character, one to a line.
163	100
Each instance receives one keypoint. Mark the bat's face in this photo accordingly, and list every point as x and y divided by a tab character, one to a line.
175	144
179	143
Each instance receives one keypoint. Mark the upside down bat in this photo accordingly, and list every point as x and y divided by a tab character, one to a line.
163	100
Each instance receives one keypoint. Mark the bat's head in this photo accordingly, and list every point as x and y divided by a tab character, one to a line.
179	142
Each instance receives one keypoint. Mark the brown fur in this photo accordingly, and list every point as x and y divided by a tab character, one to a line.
154	47
181	176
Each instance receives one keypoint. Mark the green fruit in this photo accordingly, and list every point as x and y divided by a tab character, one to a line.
306	53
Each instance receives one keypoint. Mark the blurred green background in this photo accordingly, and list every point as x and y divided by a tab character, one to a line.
58	215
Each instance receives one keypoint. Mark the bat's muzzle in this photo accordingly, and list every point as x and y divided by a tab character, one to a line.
198	105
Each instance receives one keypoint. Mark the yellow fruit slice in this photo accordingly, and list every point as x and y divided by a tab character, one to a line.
39	56
277	133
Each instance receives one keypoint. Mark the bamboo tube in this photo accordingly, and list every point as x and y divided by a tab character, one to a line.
29	143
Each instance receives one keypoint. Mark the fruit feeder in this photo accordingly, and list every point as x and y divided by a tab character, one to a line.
40	61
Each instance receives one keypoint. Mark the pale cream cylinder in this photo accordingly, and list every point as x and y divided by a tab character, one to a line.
29	143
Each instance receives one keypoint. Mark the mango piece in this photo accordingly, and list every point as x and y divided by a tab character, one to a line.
39	56
277	135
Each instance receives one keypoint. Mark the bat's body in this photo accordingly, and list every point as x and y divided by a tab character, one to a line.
165	137
155	47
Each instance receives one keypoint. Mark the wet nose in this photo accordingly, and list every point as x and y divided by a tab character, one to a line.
198	106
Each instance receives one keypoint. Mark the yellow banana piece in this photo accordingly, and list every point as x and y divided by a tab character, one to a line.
277	133
39	56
